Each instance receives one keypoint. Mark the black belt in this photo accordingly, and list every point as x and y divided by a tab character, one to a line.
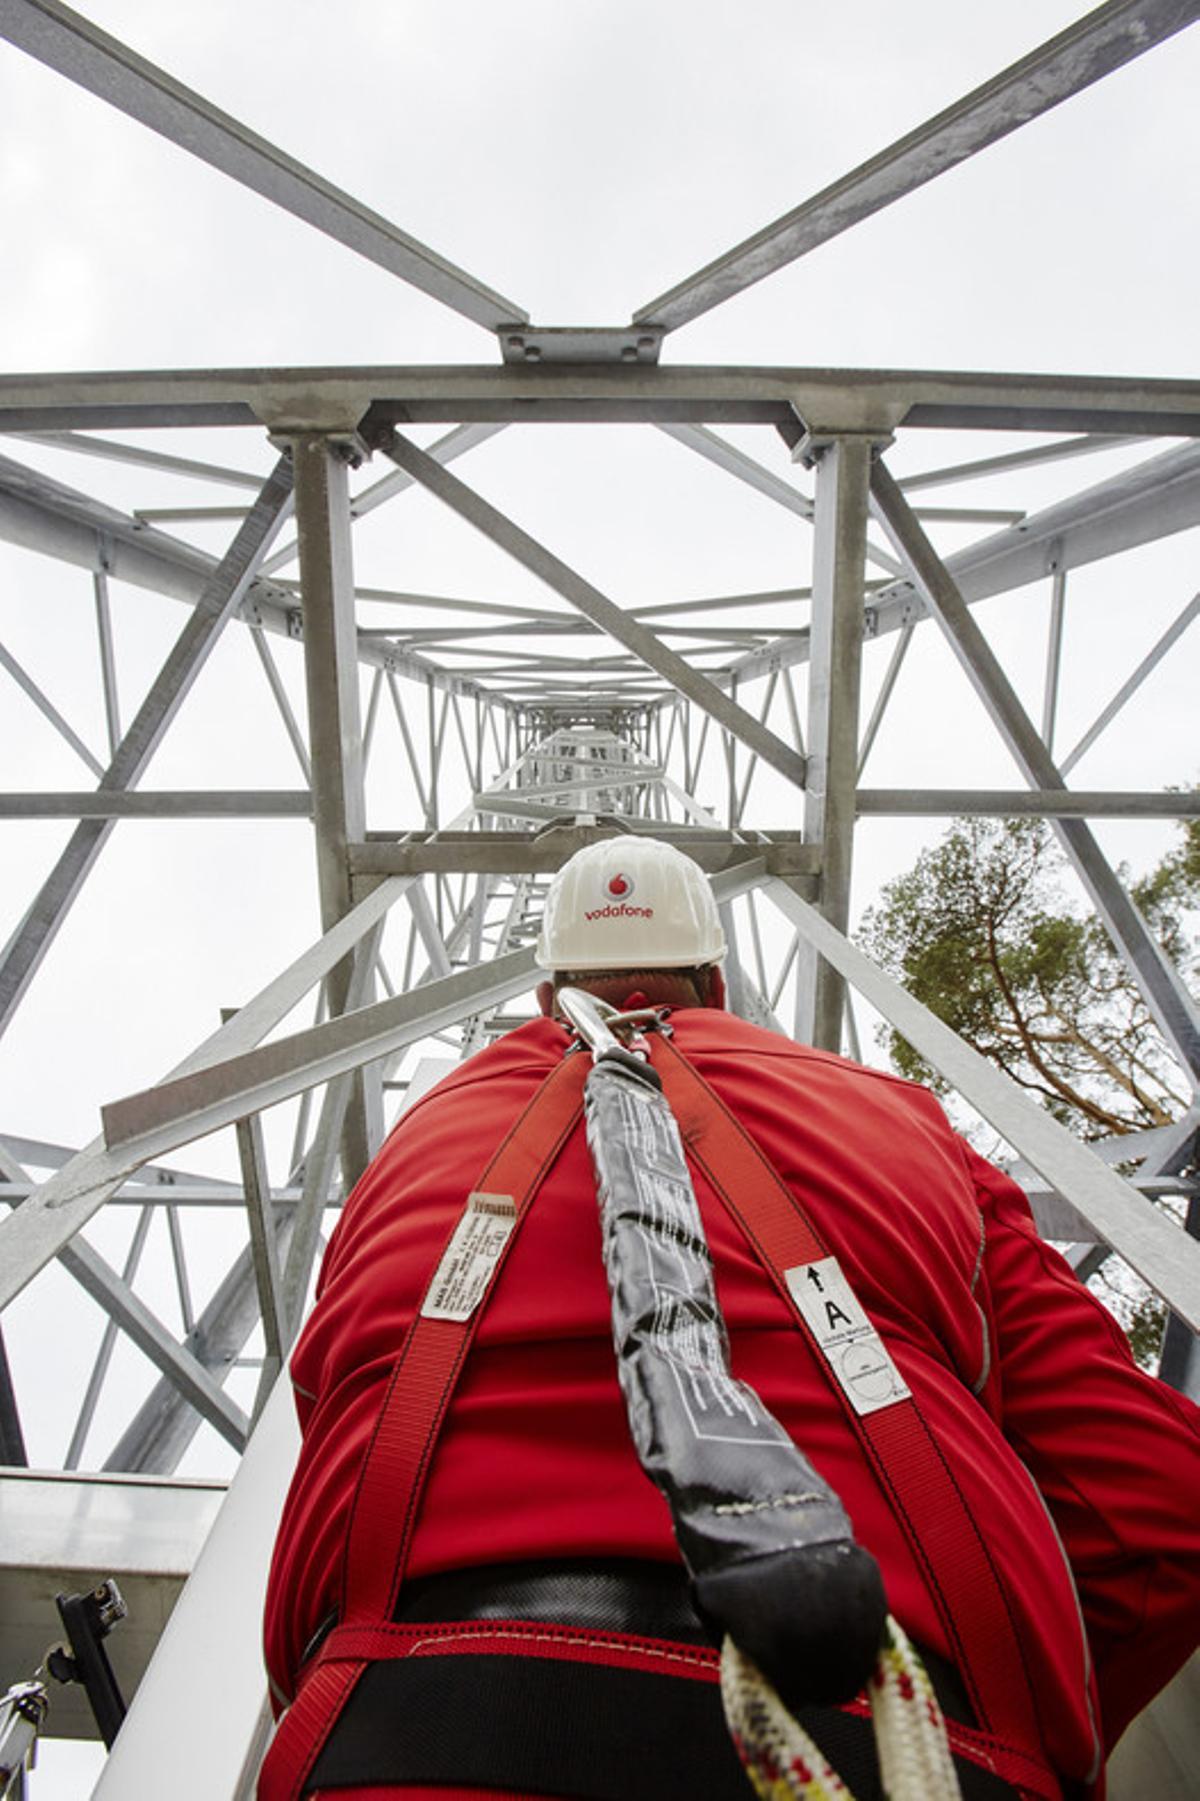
650	1600
587	1730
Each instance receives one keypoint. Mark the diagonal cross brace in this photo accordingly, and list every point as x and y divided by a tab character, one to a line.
1086	51
595	606
55	1212
1148	1242
219	600
177	1363
1160	983
76	48
191	1105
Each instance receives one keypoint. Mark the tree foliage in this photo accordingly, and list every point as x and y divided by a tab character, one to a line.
981	930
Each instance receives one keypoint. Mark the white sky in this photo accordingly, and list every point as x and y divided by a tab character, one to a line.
581	157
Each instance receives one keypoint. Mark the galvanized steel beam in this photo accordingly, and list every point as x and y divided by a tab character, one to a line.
76	48
47	708
60	1206
735	462
12	1438
1054	638
1163	1255
141	458
518	853
1141	505
981	467
1083	53
264	1247
108	666
1160	983
199	803
334	725
108	1342
42	515
159	1432
221	595
1046	803
1130	687
178	1111
793	398
834	681
882	699
596	606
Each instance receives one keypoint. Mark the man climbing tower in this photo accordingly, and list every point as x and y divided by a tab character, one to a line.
475	1588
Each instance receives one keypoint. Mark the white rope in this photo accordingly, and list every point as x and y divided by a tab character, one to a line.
910	1733
784	1764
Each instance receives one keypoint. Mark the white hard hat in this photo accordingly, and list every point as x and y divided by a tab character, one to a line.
629	903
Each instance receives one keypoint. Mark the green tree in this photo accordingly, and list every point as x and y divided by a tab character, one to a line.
981	930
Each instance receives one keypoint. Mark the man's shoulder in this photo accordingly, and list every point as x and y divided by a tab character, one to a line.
707	1033
718	1041
757	1071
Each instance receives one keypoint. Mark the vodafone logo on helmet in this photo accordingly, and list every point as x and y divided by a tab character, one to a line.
617	890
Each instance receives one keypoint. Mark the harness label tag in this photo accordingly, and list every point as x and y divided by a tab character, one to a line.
468	1262
845	1336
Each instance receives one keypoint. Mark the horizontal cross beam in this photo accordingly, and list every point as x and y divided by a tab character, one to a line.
833	399
1046	803
210	803
517	853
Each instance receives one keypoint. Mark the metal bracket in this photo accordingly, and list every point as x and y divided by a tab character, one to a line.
88	1620
815	440
347	446
581	343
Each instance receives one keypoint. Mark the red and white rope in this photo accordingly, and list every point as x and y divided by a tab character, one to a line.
784	1764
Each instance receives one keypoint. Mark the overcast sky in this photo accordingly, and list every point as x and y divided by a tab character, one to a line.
580	156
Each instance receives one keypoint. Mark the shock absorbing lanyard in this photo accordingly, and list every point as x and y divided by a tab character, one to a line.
914	1472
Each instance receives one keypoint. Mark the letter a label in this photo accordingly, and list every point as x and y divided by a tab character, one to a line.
845	1336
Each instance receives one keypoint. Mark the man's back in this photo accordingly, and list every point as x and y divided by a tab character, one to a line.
1011	1363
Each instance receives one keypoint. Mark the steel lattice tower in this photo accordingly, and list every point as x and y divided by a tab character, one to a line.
450	752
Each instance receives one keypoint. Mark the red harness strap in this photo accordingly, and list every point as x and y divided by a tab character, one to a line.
909	1463
396	1465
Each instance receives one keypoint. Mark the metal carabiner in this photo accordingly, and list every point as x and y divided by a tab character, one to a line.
597	1024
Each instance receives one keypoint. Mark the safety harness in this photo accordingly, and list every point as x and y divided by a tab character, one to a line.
894	1435
387	1498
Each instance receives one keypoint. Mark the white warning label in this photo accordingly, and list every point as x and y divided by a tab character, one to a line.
471	1256
848	1341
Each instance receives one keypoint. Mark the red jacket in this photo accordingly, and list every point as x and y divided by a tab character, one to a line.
1060	1444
